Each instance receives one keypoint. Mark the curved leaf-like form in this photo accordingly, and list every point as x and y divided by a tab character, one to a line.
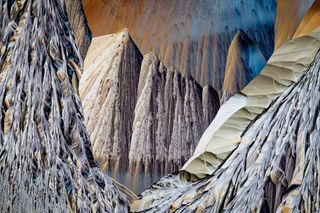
223	135
46	161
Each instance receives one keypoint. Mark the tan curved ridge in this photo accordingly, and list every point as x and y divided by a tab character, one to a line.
223	135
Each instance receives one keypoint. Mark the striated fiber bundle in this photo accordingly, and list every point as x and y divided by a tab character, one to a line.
46	161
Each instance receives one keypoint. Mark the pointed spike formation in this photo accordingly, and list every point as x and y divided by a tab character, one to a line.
46	161
244	63
191	35
144	119
171	114
108	89
79	25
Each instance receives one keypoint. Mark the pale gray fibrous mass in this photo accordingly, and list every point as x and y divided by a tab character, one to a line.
46	161
145	119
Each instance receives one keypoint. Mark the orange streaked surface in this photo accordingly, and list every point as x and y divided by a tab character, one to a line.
193	36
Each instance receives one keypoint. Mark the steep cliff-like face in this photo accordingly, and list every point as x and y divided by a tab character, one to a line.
193	36
144	120
79	25
108	89
289	16
244	62
46	161
171	114
276	166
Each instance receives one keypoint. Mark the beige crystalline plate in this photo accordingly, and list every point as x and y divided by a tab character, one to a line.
223	135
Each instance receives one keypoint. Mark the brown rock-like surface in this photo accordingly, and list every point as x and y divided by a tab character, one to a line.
171	114
244	62
289	16
310	21
46	161
79	25
108	89
276	166
193	36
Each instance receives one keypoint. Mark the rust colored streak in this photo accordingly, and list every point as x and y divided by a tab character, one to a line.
289	15
310	21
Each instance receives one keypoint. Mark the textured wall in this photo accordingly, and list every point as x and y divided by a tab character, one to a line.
144	123
171	114
276	166
79	25
108	89
194	36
